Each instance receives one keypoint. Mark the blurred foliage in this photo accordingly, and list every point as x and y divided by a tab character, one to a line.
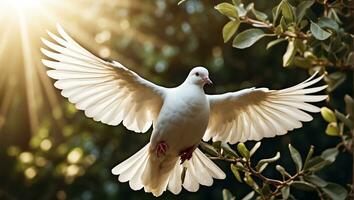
70	157
317	40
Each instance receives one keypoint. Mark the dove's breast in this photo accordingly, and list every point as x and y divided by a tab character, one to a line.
182	121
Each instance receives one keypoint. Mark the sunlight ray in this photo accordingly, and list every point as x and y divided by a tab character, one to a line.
29	73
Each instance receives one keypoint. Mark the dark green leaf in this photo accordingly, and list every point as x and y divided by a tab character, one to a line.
325	22
335	79
285	191
316	180
302	185
335	191
259	15
226	195
316	163
318	32
227	9
349	105
228	150
230	29
275	42
330	154
287	11
248	38
282	171
302	62
295	155
235	171
302	8
309	156
209	149
350	59
266	190
344	119
289	54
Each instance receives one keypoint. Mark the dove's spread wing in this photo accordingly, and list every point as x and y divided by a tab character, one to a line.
252	114
107	92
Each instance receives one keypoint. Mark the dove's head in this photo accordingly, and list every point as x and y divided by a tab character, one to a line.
199	76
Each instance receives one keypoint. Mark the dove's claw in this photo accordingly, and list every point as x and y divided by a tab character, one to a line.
161	149
186	154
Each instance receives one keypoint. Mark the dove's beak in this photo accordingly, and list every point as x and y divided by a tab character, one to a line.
207	80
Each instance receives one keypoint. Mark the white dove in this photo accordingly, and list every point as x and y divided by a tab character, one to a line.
181	116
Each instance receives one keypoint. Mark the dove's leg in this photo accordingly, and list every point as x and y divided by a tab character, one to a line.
187	153
161	148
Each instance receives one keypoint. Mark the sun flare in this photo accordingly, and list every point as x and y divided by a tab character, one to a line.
23	23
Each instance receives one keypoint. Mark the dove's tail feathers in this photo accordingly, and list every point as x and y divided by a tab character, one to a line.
201	170
156	175
132	169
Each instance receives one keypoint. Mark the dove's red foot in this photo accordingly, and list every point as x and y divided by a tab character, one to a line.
186	154
161	149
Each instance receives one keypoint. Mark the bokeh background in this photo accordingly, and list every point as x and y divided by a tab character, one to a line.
49	150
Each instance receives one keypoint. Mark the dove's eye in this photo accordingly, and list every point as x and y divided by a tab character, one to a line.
197	74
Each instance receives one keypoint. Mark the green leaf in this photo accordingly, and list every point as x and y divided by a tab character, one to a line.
248	38
318	32
249	196
235	171
287	11
255	148
316	180
265	191
295	155
282	171
302	185
349	105
259	15
335	79
285	191
350	59
325	22
249	180
302	62
302	8
264	162
243	150
330	154
344	119
333	129
289	54
309	156
236	2
241	10
328	114
230	29
275	42
227	9
226	195
335	191
316	163
209	149
228	150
